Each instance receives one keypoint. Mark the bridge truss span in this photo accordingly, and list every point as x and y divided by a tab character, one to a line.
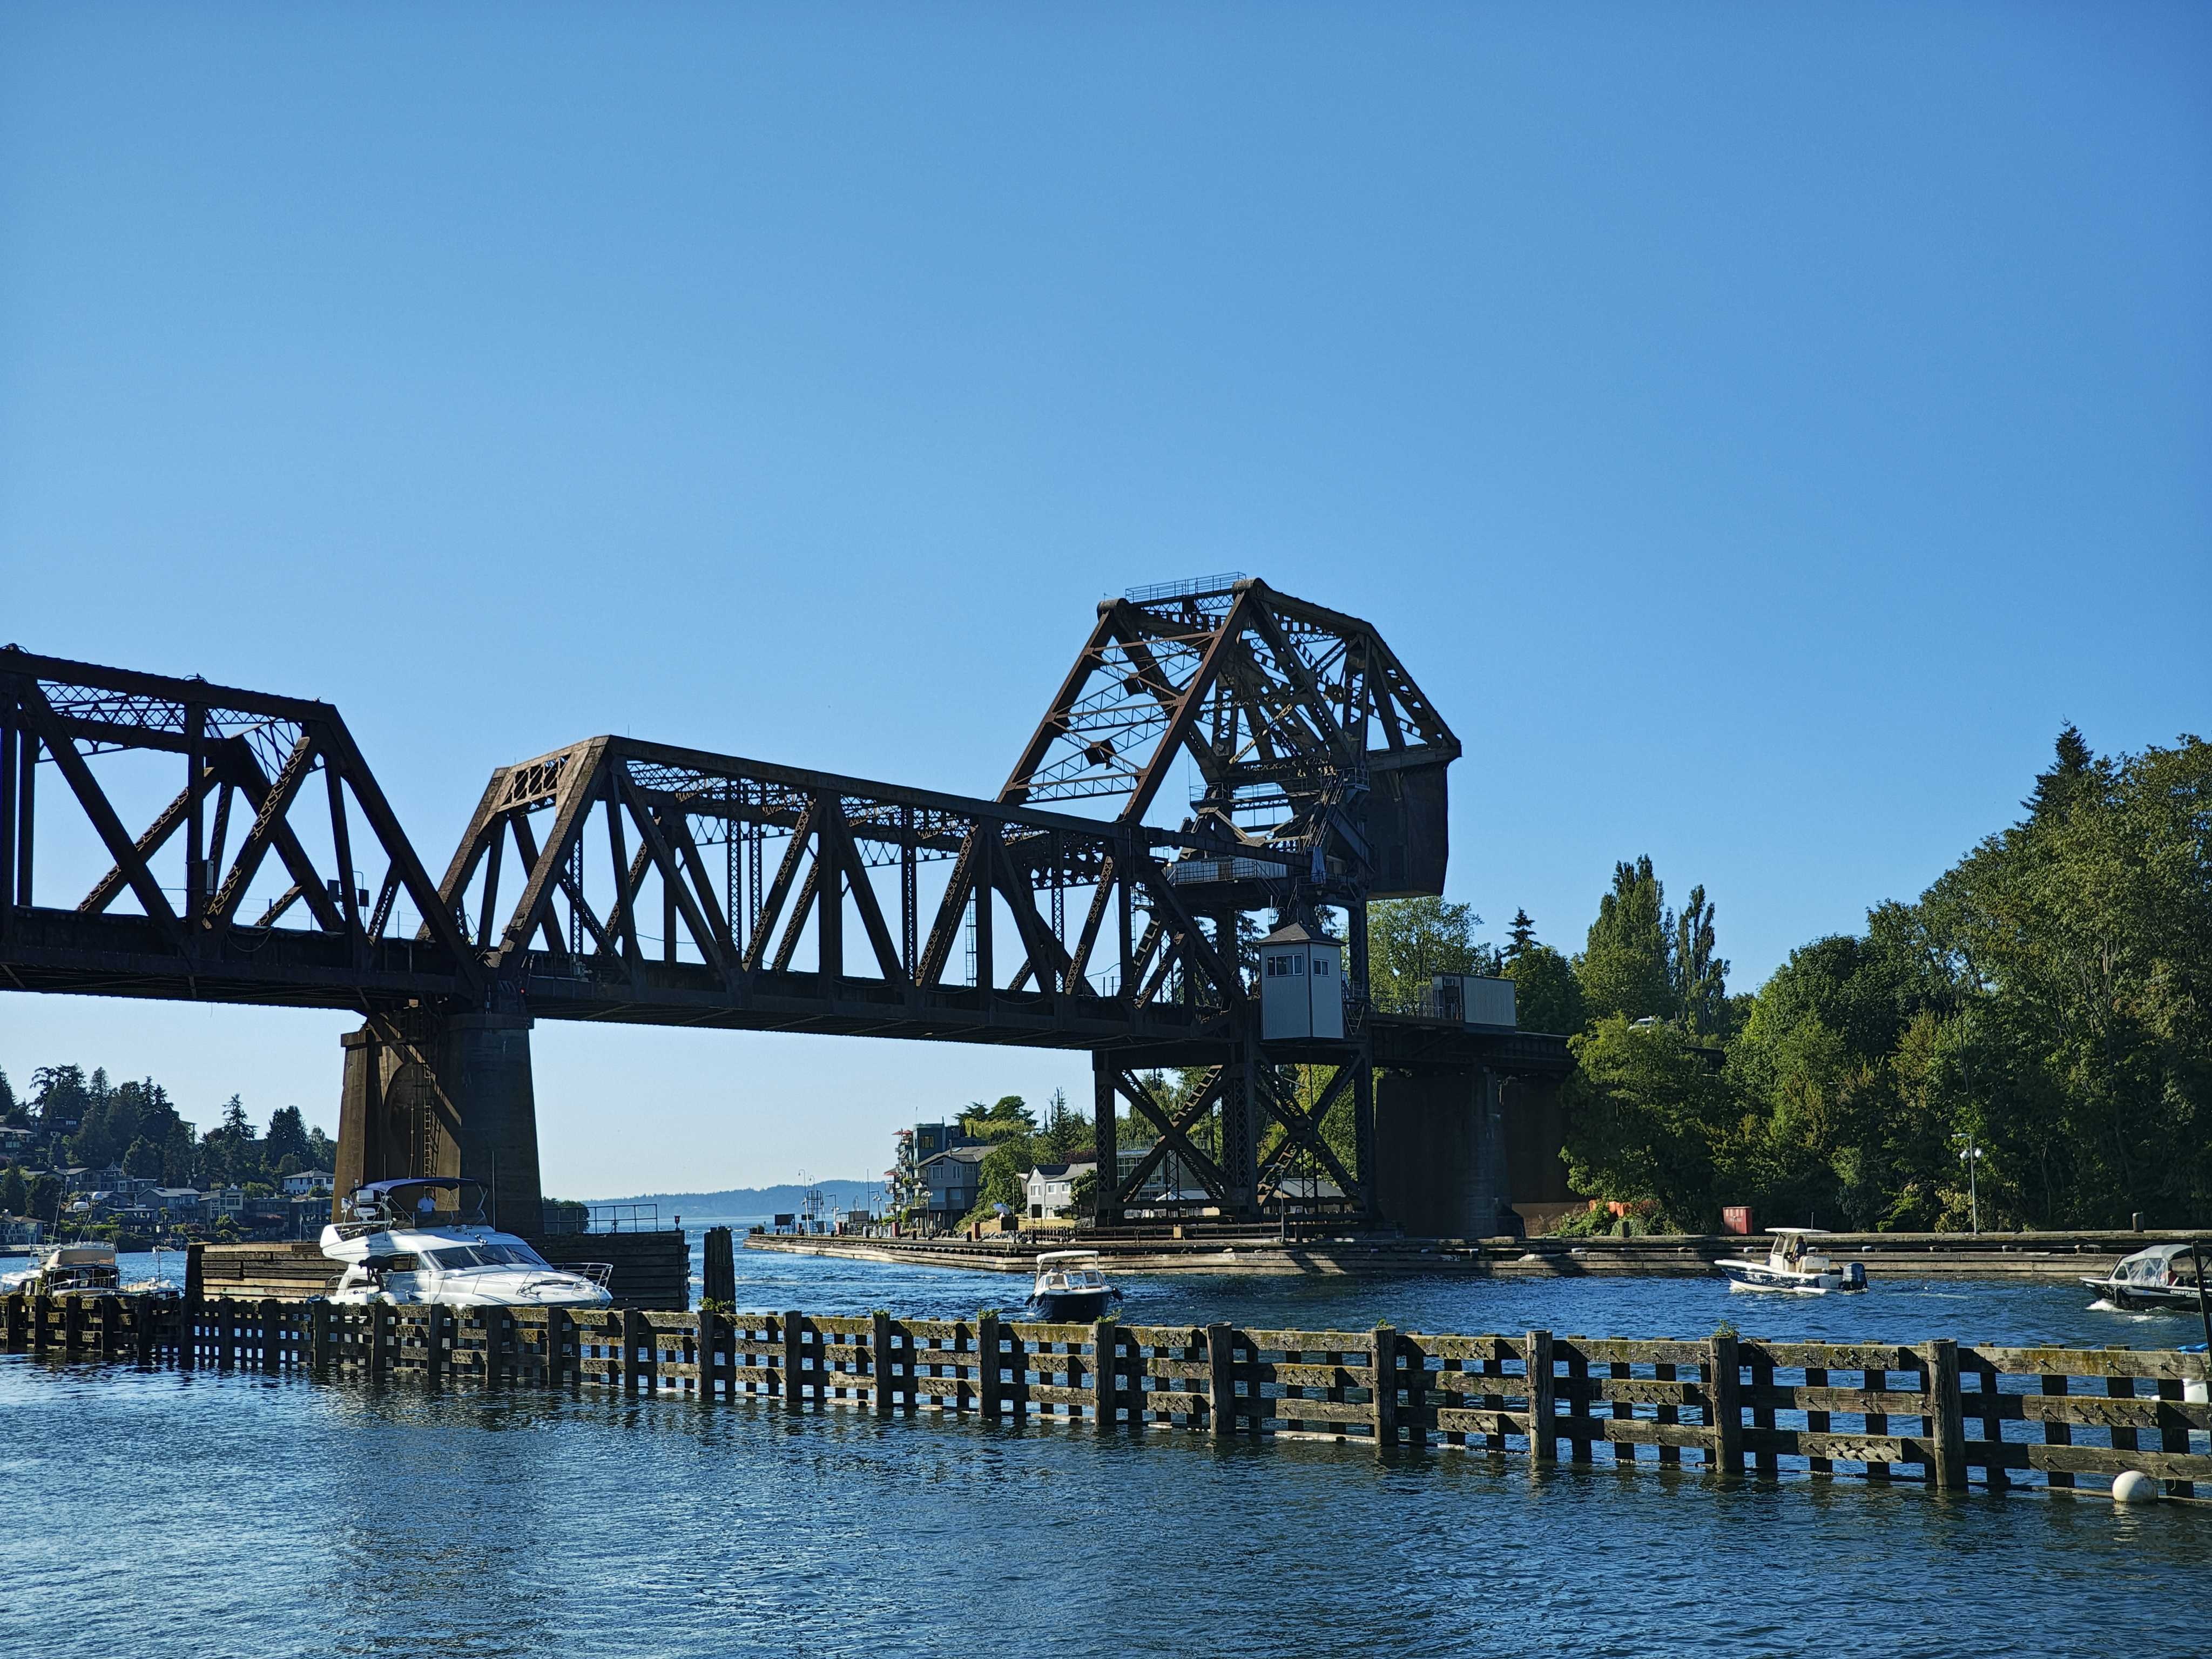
621	879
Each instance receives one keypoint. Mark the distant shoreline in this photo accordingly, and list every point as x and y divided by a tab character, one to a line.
751	1200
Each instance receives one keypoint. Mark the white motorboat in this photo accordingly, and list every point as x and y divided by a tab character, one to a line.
1792	1265
2162	1278
84	1269
426	1240
1070	1287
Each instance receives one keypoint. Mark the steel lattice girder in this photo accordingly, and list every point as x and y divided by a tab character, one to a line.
239	747
652	812
1289	712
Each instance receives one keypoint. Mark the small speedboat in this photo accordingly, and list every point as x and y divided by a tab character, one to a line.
1071	1287
2160	1279
425	1241
1789	1265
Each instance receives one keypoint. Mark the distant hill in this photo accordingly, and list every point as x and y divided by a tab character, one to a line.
757	1200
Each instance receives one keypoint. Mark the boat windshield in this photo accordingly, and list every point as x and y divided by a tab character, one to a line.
460	1258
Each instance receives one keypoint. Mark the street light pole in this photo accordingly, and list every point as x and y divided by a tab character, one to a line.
1972	1156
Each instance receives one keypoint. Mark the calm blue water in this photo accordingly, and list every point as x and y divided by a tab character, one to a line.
205	1514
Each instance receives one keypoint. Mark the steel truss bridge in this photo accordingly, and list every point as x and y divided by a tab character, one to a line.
218	839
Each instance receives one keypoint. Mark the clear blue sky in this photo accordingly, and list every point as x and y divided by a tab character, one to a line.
1757	428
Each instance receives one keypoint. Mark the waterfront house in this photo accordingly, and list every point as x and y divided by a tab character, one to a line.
1049	1190
307	1181
952	1179
175	1204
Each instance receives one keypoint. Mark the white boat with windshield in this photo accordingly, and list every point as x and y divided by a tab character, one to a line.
2164	1279
426	1240
87	1269
1070	1287
1792	1264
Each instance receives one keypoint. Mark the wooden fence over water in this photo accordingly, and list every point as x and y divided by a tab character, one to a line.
1940	1412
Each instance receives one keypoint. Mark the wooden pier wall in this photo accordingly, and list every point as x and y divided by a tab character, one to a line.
1941	1414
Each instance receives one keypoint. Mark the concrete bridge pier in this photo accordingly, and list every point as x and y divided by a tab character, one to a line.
429	1093
1458	1148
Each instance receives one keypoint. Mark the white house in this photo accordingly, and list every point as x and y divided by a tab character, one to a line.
308	1181
1301	985
1050	1188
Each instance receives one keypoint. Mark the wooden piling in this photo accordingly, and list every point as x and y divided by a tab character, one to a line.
1105	1371
708	1347
632	1339
987	1365
318	1336
143	1334
1543	1432
879	1348
560	1333
272	1334
111	1327
1724	1407
792	1382
379	1339
226	1313
1385	1390
1221	1381
1946	1420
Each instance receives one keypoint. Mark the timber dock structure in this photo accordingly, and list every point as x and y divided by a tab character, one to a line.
1943	1413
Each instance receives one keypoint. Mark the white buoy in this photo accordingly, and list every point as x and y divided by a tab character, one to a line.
2134	1486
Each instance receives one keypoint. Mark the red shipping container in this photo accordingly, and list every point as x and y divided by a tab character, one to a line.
1737	1218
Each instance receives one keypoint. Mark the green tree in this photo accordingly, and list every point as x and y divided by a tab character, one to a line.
1646	1111
1003	1119
287	1138
1546	995
1410	941
14	1198
1083	1194
1625	966
1521	937
1700	977
143	1160
2073	767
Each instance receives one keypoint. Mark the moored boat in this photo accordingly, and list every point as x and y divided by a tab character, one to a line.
425	1241
87	1268
1792	1265
1070	1287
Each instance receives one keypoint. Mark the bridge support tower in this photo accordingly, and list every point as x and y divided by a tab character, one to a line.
443	1094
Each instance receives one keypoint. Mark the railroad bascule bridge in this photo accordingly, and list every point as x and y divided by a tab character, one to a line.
619	880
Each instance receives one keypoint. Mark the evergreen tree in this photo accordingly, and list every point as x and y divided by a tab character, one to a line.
1700	976
1521	936
287	1138
1625	966
14	1198
2073	766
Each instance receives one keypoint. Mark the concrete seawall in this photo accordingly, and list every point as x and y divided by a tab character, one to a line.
2053	1256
